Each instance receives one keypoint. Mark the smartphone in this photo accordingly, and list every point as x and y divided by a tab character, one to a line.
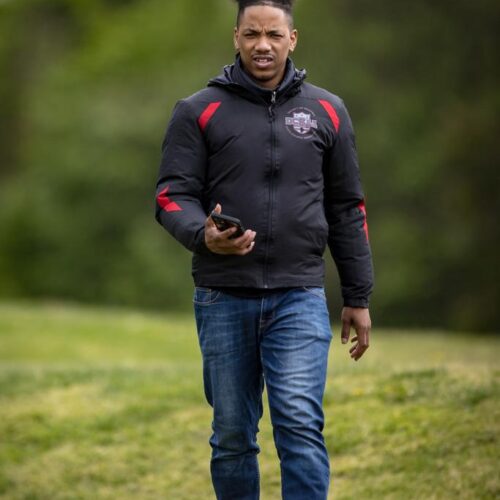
224	222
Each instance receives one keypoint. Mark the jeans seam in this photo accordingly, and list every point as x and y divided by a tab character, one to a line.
260	319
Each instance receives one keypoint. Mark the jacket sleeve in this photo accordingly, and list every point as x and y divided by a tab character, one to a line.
346	215
179	189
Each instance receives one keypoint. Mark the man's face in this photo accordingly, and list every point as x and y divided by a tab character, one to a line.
264	39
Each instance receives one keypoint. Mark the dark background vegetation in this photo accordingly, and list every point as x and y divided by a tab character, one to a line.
86	90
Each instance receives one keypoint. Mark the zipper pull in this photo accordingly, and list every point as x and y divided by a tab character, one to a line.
273	102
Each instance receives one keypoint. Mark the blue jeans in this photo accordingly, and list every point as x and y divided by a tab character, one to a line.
282	339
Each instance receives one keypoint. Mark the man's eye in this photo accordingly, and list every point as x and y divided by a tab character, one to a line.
277	35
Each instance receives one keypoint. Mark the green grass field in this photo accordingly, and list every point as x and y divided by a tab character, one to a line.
109	404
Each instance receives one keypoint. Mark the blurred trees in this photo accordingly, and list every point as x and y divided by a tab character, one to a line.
86	91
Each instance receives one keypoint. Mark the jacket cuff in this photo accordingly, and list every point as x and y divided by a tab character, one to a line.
199	243
364	303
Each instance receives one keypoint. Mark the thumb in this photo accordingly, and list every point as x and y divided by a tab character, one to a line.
346	330
217	210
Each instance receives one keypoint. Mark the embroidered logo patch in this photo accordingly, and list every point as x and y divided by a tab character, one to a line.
301	123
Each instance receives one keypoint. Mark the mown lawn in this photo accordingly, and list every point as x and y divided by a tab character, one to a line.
108	404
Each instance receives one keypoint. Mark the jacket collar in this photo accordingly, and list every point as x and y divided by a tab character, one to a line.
235	78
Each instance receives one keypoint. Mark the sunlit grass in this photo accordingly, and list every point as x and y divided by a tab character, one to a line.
101	404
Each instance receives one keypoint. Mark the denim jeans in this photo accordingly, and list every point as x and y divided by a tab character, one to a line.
282	339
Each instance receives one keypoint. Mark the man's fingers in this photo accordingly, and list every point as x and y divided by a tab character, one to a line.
248	249
361	346
358	352
222	243
363	335
245	240
224	235
363	342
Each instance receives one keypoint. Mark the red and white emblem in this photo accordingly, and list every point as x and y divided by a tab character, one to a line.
300	122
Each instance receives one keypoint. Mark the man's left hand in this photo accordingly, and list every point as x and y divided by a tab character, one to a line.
359	318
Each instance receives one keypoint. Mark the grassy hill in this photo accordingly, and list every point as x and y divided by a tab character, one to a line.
102	404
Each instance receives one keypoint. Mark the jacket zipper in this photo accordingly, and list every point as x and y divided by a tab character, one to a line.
271	184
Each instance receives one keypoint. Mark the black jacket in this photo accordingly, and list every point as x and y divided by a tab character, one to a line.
285	164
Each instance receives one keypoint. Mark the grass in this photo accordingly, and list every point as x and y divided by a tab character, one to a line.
106	404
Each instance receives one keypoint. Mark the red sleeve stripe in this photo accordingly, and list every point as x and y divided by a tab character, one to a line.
362	207
166	203
207	114
331	113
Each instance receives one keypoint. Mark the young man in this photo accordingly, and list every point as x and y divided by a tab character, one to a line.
262	145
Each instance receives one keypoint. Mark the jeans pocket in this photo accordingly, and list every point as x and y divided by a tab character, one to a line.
205	296
318	291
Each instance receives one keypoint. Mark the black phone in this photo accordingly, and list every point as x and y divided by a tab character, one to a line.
224	222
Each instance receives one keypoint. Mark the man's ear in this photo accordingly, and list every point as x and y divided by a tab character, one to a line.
294	37
235	39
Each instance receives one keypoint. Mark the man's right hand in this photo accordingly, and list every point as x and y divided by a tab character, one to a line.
219	242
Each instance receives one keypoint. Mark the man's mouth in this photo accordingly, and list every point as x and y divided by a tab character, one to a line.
262	62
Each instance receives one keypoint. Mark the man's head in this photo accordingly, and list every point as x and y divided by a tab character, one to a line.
264	36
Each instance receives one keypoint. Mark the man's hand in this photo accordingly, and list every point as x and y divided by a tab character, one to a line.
359	318
219	242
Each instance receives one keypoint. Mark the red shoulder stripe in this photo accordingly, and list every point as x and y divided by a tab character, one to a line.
166	203
207	114
331	113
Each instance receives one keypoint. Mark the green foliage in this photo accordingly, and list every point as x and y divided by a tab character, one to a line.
101	404
89	91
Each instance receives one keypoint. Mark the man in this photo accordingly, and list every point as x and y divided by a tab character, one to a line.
262	145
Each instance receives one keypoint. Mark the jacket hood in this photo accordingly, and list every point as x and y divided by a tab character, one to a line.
235	79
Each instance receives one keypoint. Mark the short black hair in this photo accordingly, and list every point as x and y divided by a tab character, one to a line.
284	5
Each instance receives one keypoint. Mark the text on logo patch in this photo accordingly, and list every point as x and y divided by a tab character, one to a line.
300	123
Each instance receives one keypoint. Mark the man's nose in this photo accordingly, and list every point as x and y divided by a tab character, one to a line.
263	45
